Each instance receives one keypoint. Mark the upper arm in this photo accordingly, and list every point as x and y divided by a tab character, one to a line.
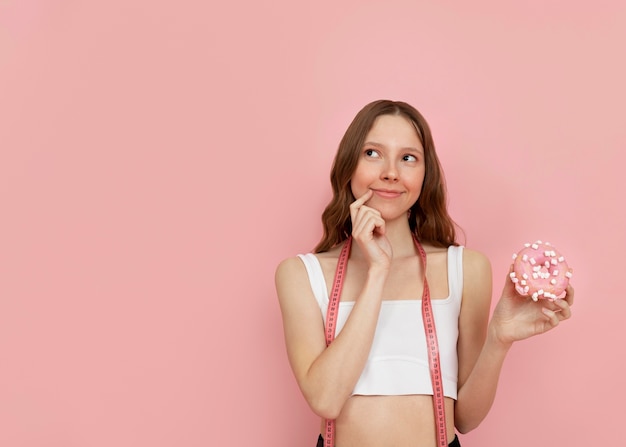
303	324
475	308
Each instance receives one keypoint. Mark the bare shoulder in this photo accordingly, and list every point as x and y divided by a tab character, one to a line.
288	264
289	270
475	264
293	289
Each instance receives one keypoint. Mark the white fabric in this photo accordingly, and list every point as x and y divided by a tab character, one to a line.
398	361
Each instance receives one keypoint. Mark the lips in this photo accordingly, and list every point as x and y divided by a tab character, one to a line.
387	193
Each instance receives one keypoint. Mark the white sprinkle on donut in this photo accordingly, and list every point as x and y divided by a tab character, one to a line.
537	273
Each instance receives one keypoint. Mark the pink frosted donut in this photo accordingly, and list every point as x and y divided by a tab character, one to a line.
539	271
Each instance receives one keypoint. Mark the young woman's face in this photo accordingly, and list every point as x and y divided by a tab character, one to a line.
392	165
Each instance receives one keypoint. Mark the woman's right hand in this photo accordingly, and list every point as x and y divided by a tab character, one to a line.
368	231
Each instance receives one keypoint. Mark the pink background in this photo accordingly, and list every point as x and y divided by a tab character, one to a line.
159	158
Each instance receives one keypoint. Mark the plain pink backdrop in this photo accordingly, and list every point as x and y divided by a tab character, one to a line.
158	159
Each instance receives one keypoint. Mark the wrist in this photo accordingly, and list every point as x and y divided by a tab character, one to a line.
378	270
495	342
377	276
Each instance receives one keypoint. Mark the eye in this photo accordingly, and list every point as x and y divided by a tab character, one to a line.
409	157
371	153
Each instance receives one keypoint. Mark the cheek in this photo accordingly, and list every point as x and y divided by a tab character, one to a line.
417	184
415	178
359	185
361	177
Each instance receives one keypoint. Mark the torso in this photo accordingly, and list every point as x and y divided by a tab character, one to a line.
391	420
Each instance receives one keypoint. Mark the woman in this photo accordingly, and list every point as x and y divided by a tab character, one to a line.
373	381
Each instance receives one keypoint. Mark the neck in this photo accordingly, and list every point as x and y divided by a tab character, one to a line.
400	237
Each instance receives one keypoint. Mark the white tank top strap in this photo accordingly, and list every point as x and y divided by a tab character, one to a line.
455	271
316	278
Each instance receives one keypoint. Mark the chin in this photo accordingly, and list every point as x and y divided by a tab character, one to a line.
393	215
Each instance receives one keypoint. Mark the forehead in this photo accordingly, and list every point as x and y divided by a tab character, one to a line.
394	128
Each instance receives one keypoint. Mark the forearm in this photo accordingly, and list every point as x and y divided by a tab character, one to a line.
476	395
333	375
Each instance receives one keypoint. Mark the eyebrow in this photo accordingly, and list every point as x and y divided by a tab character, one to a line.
408	148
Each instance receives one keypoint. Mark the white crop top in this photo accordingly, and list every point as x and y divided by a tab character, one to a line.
398	361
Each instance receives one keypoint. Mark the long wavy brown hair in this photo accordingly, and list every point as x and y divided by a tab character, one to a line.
428	217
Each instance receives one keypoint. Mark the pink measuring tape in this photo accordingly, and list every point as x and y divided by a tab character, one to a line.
431	340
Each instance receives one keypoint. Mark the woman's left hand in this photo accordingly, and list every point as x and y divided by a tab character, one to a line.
518	317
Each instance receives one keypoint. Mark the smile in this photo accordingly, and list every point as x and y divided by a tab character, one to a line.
387	193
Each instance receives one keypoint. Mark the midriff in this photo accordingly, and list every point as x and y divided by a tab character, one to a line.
400	421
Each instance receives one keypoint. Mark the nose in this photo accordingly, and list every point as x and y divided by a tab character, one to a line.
390	172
